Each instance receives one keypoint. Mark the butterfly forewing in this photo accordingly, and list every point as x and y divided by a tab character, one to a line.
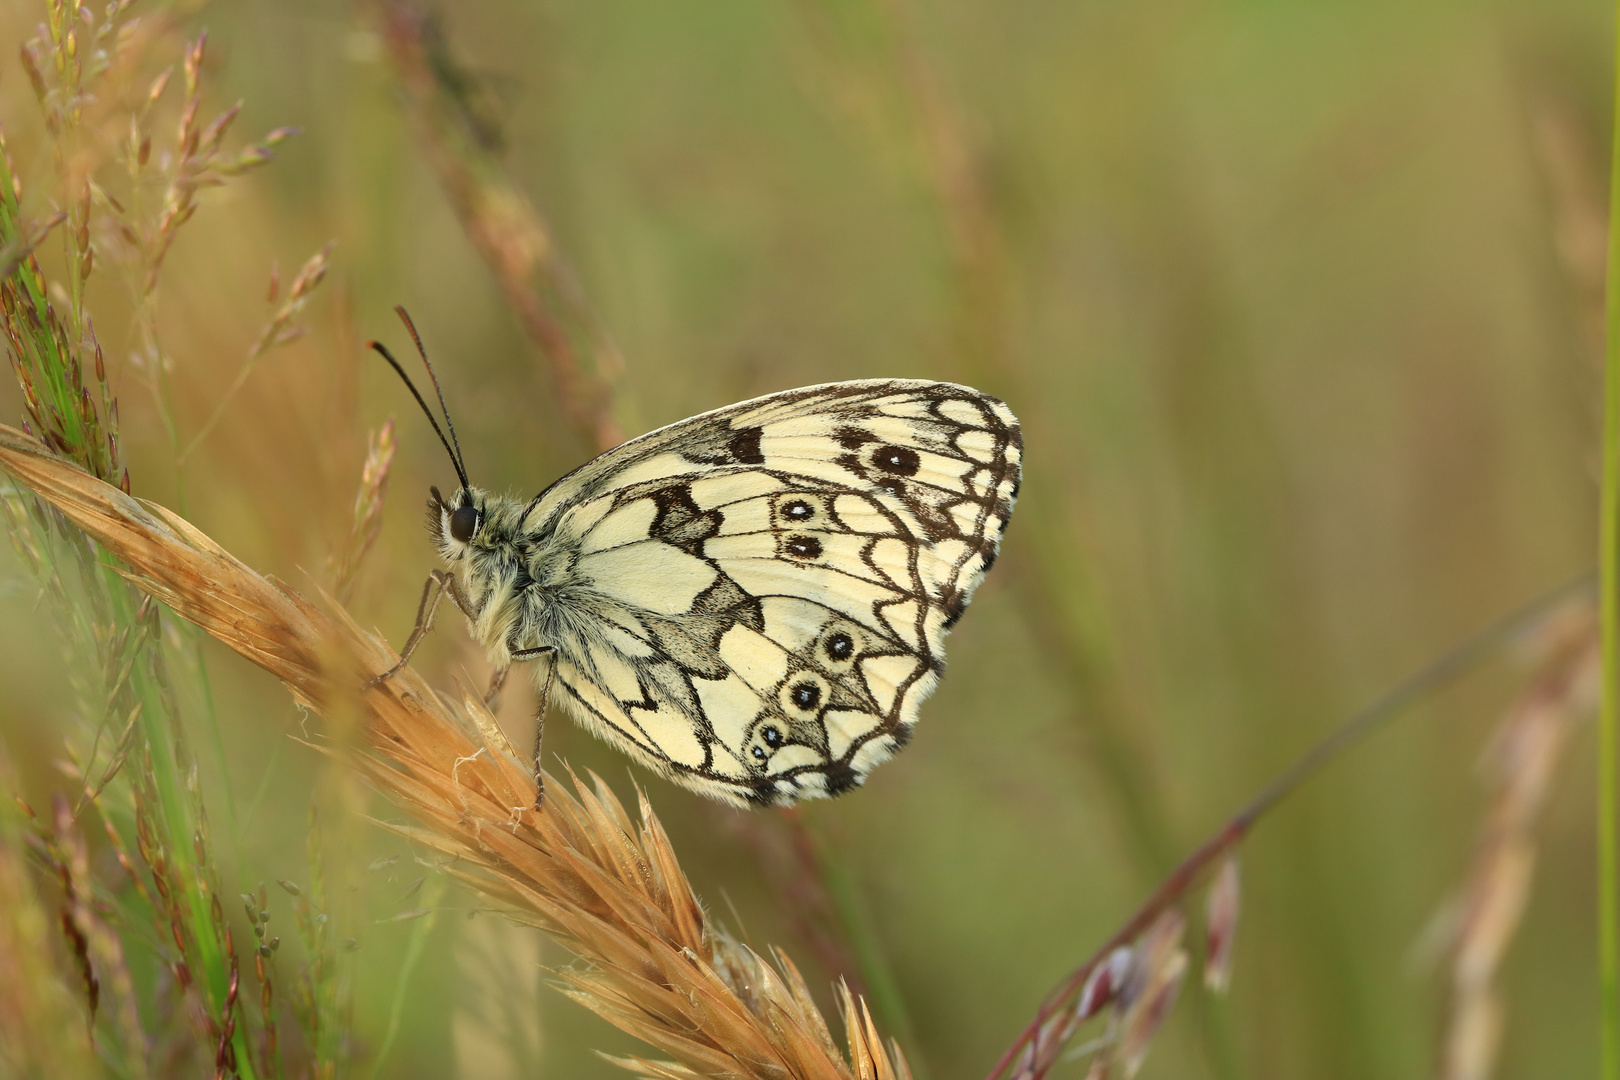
759	595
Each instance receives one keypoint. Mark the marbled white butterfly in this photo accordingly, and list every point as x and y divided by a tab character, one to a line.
752	602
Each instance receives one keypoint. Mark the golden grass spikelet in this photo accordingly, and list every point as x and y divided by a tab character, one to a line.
1521	766
366	525
609	887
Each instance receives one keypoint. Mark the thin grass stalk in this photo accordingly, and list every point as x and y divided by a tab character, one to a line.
605	884
426	919
136	769
41	1018
280	329
1608	857
117	636
462	137
1521	765
1053	591
1037	1048
805	881
857	930
956	169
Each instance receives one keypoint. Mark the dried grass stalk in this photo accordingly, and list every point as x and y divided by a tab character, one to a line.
1520	765
608	887
460	133
366	525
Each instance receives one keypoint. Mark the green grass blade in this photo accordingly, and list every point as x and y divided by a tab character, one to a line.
1609	558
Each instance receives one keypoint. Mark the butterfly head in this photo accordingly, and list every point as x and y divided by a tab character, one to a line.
475	530
455	521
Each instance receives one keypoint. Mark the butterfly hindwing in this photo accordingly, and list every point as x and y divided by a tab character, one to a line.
760	594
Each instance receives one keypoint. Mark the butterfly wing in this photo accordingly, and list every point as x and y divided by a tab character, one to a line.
754	601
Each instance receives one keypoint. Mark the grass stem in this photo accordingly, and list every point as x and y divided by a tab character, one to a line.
432	897
1454	662
1609	568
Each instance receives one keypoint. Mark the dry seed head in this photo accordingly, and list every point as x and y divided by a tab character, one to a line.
1152	951
30	64
606	885
186	139
311	274
1471	1039
1497	896
1103	984
193	63
1220	926
155	91
215	131
95	347
1521	763
1142	1021
1150	987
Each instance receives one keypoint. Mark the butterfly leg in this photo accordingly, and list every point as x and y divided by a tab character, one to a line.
497	682
439	583
540	713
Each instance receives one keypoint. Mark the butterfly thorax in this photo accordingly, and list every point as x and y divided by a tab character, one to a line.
492	567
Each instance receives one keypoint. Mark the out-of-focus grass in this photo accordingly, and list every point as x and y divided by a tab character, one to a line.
1291	300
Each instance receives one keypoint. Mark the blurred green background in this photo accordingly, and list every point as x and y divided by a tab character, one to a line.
1298	303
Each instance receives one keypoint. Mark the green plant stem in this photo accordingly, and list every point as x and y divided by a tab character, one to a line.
220	407
861	933
432	897
1609	569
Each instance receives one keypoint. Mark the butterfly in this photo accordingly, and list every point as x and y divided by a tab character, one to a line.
752	602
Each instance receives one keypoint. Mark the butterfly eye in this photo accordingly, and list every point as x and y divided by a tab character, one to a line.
463	522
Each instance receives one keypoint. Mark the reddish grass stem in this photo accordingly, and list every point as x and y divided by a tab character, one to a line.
1448	666
461	135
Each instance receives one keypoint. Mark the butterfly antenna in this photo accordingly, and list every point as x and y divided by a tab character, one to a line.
405	318
382	350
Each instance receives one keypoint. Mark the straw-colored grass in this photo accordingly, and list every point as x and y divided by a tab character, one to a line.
1521	767
1266	465
607	886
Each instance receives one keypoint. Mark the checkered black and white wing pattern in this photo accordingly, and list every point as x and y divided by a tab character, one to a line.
759	596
